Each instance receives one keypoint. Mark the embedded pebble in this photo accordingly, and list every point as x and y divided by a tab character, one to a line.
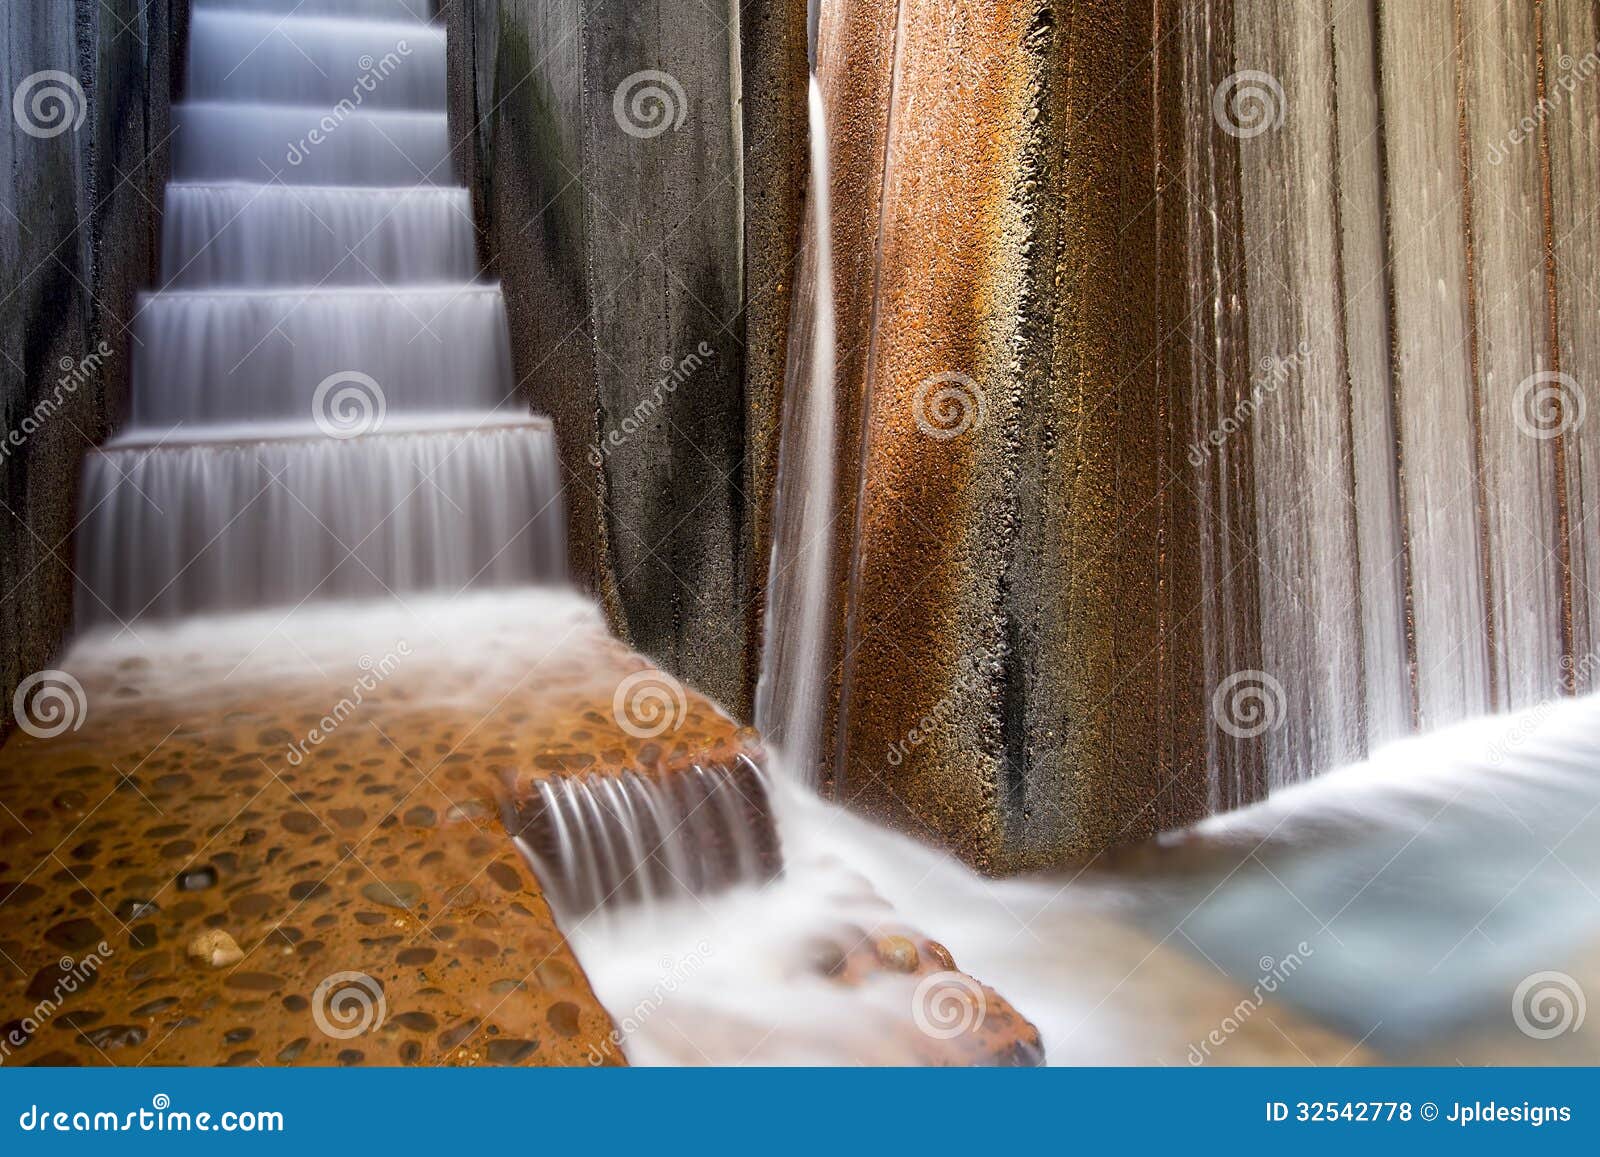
216	948
197	879
393	893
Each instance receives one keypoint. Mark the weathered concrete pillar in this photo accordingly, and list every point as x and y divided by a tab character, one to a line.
609	143
87	88
1020	677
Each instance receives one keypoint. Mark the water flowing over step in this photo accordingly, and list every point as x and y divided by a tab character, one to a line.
304	59
173	530
308	145
263	236
229	356
604	840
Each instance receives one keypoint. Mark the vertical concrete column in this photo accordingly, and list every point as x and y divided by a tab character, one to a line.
1021	645
609	145
86	90
1201	212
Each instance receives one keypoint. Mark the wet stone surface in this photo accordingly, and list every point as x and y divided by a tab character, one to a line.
360	903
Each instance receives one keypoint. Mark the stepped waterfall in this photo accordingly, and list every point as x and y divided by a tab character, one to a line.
1162	545
323	401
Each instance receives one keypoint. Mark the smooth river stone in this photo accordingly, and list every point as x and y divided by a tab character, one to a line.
393	894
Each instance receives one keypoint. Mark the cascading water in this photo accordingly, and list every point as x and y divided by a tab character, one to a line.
284	236
615	841
318	413
320	400
794	676
1347	899
1380	322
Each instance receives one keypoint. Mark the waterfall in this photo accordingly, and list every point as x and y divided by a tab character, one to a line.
613	841
790	698
1378	368
228	356
322	386
278	236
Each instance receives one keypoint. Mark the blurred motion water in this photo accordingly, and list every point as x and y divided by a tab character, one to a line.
1391	910
323	392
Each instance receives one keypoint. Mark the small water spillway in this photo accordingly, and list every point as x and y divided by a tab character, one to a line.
323	398
612	841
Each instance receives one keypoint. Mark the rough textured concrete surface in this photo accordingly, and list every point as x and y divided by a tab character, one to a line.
607	143
773	45
79	218
1019	680
332	816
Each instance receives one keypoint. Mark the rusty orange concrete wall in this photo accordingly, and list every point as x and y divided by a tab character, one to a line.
1018	679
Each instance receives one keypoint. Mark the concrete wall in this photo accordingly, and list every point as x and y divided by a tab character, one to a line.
79	219
1019	662
635	169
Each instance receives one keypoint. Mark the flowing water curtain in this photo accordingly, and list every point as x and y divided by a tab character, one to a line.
320	387
1418	455
1570	42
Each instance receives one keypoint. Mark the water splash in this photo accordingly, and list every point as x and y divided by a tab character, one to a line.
1397	903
